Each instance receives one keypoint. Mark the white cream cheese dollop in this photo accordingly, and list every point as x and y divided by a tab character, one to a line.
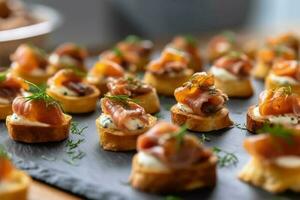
131	124
222	74
16	119
288	161
283	80
63	90
150	161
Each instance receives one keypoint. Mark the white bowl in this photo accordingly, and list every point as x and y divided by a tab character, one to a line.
35	34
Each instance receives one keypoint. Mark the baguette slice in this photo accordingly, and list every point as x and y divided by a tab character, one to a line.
241	88
5	110
270	177
38	134
17	186
158	180
270	84
72	104
217	121
254	123
118	140
165	84
261	70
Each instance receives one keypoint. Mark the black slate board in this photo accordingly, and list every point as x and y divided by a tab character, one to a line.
103	175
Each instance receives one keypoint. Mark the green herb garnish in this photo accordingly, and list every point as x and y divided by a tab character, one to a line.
76	129
71	144
124	99
171	197
117	51
4	153
179	135
190	40
39	93
277	130
133	39
229	35
3	76
225	158
204	138
240	126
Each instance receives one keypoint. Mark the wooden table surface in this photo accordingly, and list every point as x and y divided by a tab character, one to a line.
40	191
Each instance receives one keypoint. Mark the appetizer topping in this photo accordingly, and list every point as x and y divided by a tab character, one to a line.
30	59
69	55
169	144
70	83
38	107
236	63
10	87
288	68
133	48
103	69
124	113
200	95
276	144
114	55
270	55
287	39
128	86
172	62
279	102
5	165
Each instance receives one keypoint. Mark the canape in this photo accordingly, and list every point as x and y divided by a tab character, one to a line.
232	74
284	73
169	71
121	122
14	183
279	106
10	88
200	105
136	52
30	63
286	39
267	56
101	71
220	45
68	55
168	160
142	93
275	160
37	118
74	94
189	44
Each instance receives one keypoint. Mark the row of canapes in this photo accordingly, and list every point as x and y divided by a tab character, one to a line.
125	116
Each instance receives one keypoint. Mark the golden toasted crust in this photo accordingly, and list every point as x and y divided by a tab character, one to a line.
193	122
270	177
166	85
18	188
40	79
149	101
261	70
38	134
72	104
5	110
241	88
166	180
117	140
254	123
270	84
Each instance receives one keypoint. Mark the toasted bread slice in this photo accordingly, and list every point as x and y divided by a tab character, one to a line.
17	186
5	110
270	84
72	104
261	70
118	140
38	134
158	180
217	121
270	177
165	84
254	123
241	88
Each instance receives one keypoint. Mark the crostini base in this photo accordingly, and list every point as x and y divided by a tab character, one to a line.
241	88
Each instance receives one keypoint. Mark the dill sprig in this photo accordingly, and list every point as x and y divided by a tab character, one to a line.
240	126
225	158
4	153
117	51
179	135
277	130
132	39
3	76
204	138
39	93
124	99
76	129
190	40
72	144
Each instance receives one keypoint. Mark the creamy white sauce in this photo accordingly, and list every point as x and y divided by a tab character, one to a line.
4	101
222	74
280	119
94	79
106	121
134	124
54	59
150	161
184	108
288	161
283	79
63	90
16	119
